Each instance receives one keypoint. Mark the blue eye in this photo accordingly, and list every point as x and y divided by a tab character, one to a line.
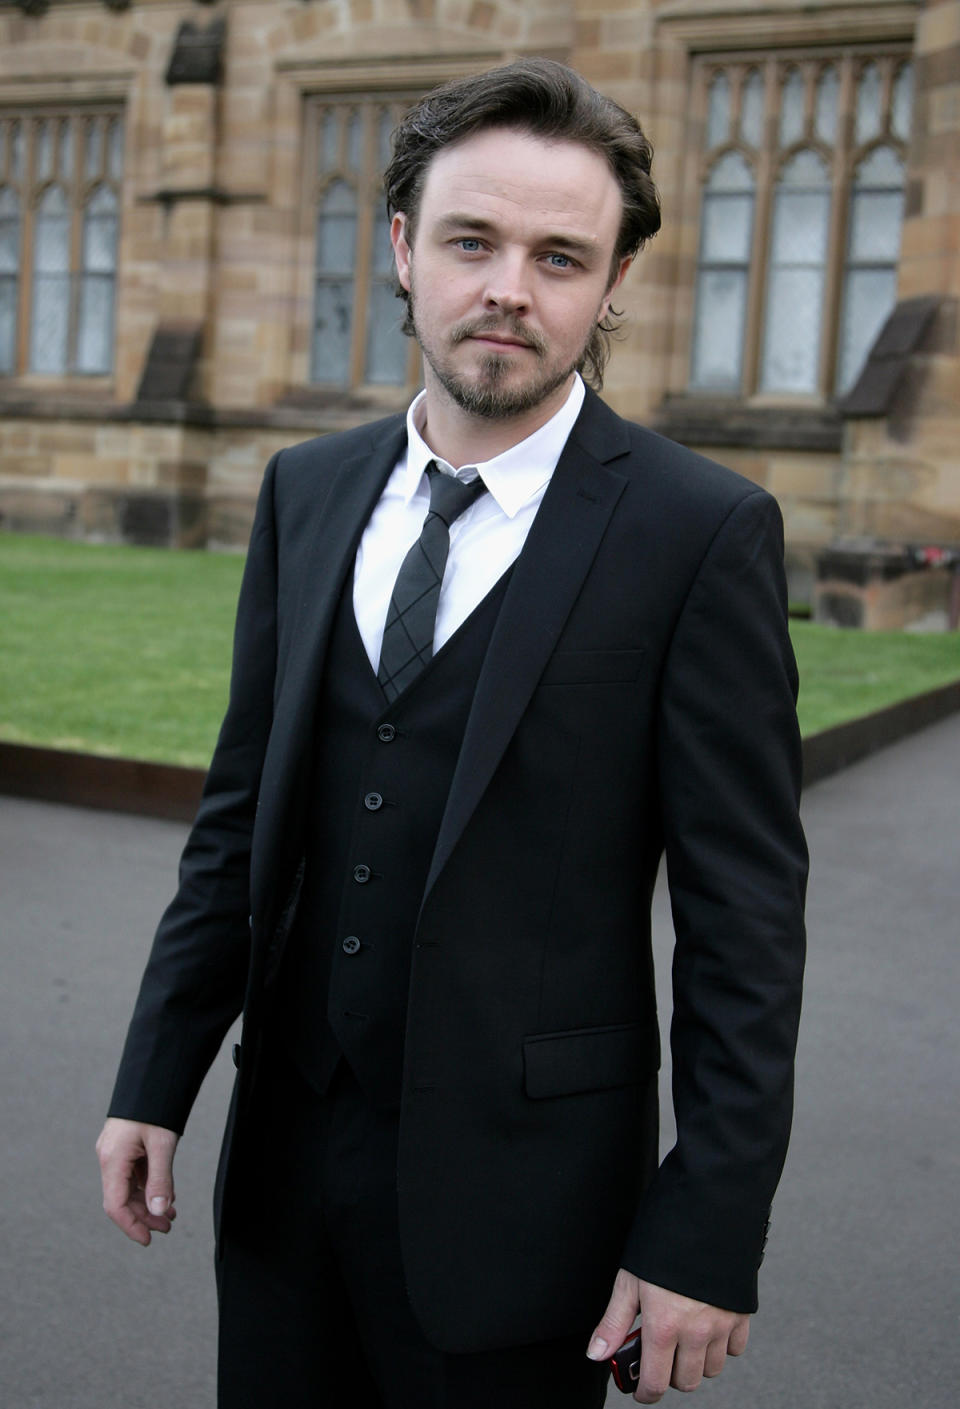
469	244
560	261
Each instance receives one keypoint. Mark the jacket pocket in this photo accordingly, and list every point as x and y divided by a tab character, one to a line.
589	1059
592	667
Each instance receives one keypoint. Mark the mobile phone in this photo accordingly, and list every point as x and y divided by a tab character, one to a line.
625	1364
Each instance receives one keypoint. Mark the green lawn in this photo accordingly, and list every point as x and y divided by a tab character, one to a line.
115	650
127	650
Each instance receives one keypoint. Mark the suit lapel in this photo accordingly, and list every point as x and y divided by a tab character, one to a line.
546	580
326	564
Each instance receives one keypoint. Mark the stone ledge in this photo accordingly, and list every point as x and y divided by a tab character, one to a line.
704	420
167	791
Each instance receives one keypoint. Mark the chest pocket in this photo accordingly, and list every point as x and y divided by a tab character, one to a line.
592	667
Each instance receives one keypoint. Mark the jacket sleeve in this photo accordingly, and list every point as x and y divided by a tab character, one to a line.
729	770
194	981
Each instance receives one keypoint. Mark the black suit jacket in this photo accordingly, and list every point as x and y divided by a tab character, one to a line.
637	696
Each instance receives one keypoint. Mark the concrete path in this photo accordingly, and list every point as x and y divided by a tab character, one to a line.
860	1285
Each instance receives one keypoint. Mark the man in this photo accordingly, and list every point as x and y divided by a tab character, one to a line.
457	743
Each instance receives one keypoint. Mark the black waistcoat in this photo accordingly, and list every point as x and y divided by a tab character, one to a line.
381	778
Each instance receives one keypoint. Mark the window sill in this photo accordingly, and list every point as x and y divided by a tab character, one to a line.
705	420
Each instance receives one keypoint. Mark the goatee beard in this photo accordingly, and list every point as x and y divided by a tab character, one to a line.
485	396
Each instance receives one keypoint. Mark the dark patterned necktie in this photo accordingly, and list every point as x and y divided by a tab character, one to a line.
412	615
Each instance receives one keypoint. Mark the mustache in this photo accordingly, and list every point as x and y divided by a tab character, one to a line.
502	327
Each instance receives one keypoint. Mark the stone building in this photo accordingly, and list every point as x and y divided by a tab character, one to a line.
194	267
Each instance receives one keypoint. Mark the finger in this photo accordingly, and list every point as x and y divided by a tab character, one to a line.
688	1365
656	1363
157	1222
739	1336
715	1358
617	1321
119	1200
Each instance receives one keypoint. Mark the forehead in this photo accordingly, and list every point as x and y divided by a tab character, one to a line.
509	177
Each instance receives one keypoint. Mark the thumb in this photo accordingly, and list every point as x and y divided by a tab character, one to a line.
158	1188
615	1324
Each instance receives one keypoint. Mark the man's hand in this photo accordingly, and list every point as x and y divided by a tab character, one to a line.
683	1340
136	1166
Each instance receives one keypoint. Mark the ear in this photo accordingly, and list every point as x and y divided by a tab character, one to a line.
625	264
402	252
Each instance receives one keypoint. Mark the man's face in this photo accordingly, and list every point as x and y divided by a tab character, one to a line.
510	268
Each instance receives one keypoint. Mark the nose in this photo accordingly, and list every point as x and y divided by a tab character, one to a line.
507	288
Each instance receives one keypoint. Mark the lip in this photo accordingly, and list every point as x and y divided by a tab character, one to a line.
494	341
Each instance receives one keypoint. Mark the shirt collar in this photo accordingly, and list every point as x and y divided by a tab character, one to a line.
512	477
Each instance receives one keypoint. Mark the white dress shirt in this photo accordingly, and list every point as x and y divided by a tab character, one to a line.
484	540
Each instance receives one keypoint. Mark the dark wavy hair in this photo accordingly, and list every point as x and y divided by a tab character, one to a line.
548	100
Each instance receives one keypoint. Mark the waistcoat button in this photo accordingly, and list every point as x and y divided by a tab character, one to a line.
361	874
351	945
386	733
372	802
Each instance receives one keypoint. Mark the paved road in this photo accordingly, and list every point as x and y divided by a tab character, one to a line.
860	1286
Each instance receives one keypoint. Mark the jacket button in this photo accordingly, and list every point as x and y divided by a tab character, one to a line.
386	733
372	802
361	874
351	944
236	1055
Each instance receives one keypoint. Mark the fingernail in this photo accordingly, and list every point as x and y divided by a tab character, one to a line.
158	1204
598	1348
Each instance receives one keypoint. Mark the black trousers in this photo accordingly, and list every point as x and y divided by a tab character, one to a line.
313	1308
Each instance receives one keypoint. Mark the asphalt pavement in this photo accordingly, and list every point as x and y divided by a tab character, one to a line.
859	1290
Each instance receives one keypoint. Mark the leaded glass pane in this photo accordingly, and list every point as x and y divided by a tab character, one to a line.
875	219
355	142
902	113
882	168
869	298
791	109
385	125
9	232
791	345
868	104
805	169
800	227
727	228
44	151
51	252
16	151
115	149
731	173
100	232
333	323
94	153
330	141
337	230
718	110
95	327
718	330
66	151
387	347
751	109
382	248
51	306
828	94
8	323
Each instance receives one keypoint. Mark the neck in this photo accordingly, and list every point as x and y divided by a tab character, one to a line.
463	439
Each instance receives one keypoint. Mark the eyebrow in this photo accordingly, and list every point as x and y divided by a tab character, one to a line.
565	244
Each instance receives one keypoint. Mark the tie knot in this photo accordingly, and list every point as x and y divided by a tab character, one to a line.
449	497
